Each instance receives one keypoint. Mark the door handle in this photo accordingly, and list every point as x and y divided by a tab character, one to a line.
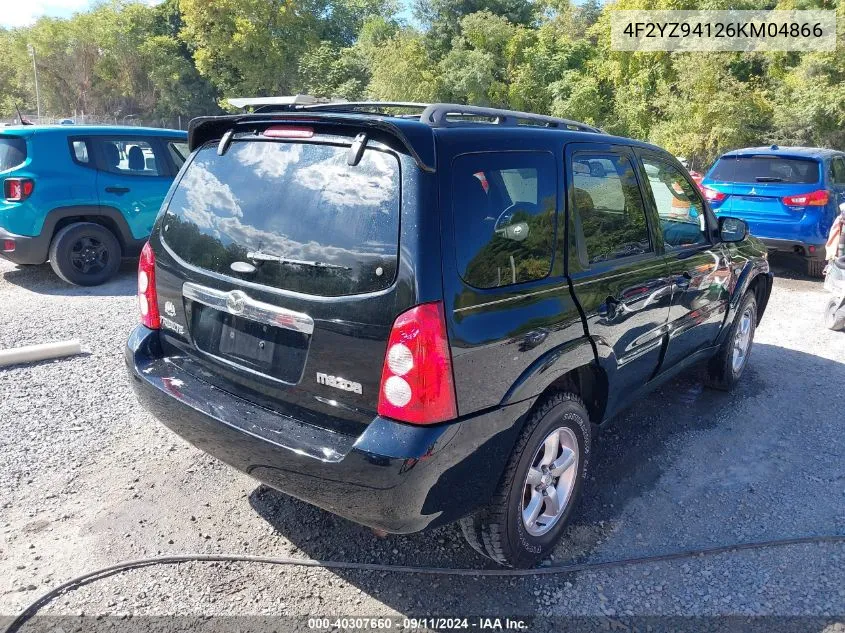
118	190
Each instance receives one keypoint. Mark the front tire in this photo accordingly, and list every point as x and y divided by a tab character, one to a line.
725	369
85	254
540	487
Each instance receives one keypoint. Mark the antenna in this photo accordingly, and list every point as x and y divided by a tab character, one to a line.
20	116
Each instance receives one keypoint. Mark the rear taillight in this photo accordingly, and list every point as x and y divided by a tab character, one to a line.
147	297
712	194
18	189
416	382
814	199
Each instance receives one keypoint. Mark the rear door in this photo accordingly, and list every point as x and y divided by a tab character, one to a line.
619	277
133	176
277	273
698	267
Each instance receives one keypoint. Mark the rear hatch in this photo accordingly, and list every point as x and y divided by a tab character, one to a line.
276	272
756	185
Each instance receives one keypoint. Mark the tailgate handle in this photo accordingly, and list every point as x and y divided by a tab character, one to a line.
240	304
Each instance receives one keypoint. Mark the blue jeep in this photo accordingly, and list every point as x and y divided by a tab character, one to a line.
83	197
789	196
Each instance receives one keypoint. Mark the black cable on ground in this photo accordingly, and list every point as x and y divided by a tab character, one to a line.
104	572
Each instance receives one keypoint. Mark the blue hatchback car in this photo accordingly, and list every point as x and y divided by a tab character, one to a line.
82	197
789	196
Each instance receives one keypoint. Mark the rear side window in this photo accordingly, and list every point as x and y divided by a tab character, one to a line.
79	149
296	213
837	169
766	168
130	157
12	152
504	208
609	217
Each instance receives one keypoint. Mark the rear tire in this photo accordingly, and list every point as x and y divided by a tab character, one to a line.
559	432
85	254
831	321
726	367
815	268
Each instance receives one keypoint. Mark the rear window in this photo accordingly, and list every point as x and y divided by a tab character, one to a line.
12	152
766	168
294	216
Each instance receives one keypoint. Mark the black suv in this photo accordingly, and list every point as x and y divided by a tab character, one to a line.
412	319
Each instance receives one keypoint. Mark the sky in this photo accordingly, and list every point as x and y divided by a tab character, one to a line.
20	13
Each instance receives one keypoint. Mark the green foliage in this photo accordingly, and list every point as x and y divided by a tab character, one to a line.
184	57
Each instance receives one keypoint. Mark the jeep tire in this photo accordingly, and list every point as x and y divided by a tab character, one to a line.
503	530
85	254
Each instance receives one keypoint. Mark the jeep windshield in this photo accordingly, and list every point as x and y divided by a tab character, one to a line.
294	216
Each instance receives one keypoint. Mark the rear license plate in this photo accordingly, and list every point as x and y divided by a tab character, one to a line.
246	345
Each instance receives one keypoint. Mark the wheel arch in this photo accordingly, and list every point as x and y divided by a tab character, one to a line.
569	367
107	217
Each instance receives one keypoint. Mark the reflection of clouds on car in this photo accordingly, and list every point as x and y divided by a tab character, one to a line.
206	197
267	241
341	186
267	164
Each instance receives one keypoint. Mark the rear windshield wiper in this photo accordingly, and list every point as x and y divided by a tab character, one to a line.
258	256
768	179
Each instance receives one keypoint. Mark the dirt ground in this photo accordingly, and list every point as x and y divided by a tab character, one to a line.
88	478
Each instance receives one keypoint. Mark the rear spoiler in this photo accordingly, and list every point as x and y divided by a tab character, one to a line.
418	141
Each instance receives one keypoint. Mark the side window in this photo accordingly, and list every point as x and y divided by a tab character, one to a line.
504	207
609	219
837	168
681	211
178	152
79	151
130	157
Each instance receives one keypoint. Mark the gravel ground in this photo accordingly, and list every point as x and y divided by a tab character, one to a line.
87	478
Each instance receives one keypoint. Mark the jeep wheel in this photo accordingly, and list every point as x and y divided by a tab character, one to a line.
727	366
540	487
831	320
85	254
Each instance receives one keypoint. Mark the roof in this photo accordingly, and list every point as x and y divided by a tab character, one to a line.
72	130
775	150
415	131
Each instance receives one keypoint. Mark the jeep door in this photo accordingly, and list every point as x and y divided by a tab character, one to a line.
698	263
618	274
133	176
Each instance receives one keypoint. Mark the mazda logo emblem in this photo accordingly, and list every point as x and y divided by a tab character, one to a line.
235	301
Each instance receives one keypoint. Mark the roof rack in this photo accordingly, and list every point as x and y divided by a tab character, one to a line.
288	102
438	115
339	106
433	114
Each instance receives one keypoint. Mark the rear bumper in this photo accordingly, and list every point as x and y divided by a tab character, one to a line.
796	247
28	250
394	477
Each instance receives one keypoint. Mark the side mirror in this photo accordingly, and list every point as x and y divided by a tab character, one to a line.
732	229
